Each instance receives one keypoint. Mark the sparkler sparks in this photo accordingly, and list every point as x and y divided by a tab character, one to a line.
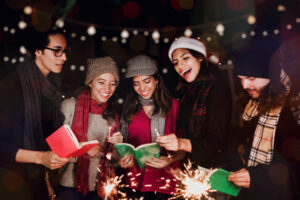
193	183
110	187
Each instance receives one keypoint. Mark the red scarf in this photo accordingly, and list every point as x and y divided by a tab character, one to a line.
84	105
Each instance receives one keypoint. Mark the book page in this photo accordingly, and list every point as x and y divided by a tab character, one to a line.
73	137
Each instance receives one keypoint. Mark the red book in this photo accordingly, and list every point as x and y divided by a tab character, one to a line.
64	143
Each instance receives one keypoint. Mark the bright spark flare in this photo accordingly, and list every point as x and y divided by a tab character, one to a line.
110	187
193	183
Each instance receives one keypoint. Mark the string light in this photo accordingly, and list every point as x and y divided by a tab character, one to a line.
5	28
22	50
244	35
72	67
251	19
12	31
289	27
82	68
265	33
21	59
135	32
280	8
82	38
27	10
73	35
220	29
13	60
164	70
91	30
146	33
155	35
188	32
166	40
60	23
114	39
123	40
276	31
252	33
103	38
22	25
5	58
124	34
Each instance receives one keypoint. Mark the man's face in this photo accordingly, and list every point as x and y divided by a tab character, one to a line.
46	59
254	85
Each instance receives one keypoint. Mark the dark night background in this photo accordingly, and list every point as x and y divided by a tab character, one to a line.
169	17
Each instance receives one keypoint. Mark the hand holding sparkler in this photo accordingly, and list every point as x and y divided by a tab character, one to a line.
169	142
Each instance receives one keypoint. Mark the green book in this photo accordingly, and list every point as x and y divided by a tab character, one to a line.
141	153
218	180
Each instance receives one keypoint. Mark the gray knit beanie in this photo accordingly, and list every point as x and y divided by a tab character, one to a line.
98	66
140	65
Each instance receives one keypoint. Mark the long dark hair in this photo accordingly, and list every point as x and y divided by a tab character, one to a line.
271	97
161	96
207	71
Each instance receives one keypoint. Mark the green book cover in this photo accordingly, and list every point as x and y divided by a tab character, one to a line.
219	181
141	153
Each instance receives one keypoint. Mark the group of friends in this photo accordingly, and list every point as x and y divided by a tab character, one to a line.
261	151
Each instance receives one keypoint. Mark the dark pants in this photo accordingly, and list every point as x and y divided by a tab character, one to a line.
68	193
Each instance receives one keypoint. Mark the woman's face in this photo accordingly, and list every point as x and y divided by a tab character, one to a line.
103	87
186	65
144	85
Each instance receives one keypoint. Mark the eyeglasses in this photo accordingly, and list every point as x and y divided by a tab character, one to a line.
59	52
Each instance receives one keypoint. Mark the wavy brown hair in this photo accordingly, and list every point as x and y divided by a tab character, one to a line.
161	96
207	70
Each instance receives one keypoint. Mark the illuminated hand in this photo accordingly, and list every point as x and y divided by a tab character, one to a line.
95	152
169	142
127	161
117	137
240	178
158	163
52	161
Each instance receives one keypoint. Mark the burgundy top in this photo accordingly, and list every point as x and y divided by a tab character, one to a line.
151	179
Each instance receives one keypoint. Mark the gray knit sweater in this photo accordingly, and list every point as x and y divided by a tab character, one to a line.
97	130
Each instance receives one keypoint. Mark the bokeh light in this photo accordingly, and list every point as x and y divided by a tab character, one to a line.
186	4
22	24
251	19
91	30
27	10
41	15
188	32
175	5
131	10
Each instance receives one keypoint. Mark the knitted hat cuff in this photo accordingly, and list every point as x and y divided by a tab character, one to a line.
188	43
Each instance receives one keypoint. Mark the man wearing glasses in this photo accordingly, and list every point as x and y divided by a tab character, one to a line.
29	107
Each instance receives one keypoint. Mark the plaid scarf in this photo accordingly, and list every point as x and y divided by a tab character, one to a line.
201	88
84	105
263	140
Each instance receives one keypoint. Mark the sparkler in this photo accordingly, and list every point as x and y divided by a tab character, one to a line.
110	187
193	183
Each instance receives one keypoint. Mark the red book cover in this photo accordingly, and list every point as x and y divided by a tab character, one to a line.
64	143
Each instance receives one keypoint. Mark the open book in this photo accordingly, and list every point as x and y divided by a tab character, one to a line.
141	153
64	143
218	180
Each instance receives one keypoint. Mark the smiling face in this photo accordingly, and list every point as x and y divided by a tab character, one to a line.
254	85
144	85
46	60
103	87
186	65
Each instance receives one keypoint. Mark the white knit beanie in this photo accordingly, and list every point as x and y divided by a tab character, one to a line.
188	43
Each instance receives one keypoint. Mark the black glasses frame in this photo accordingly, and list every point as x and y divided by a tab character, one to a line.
59	52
